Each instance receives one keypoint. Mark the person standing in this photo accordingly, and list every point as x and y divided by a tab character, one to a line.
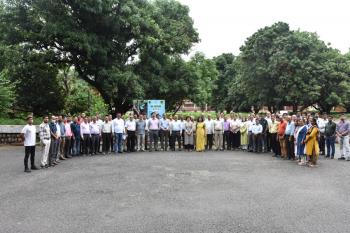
118	131
257	130
342	131
62	129
141	132
176	132
75	126
235	127
330	135
321	123
68	138
273	129
95	132
281	137
226	140
99	123
299	138
264	123
106	130
86	136
200	135
153	127
209	126
164	133
244	135
28	135
55	140
311	142
110	120
45	141
218	133
130	129
188	144
289	137
251	123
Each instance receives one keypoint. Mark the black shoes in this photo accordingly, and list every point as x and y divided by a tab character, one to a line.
35	168
27	170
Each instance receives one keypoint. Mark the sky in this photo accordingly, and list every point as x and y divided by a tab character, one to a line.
224	25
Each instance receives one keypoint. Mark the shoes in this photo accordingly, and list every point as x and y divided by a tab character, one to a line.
341	158
62	158
347	159
35	168
27	170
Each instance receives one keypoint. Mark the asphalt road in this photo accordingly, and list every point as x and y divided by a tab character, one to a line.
174	192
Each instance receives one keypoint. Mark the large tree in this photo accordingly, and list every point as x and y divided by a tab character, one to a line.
103	40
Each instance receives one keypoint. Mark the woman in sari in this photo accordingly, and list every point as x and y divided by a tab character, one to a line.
244	134
200	135
299	141
311	142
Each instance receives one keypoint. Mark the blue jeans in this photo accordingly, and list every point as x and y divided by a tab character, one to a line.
330	145
76	146
118	142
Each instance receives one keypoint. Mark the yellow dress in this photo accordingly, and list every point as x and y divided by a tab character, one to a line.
244	134
200	136
312	142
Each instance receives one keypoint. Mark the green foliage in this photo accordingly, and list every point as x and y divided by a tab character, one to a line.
104	40
7	94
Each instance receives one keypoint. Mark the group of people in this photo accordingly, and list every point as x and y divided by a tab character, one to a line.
298	137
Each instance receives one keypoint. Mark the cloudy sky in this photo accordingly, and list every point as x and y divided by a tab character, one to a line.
223	25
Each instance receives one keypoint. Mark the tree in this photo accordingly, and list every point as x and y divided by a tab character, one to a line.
7	94
103	40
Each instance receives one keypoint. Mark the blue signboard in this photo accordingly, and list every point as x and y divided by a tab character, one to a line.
157	106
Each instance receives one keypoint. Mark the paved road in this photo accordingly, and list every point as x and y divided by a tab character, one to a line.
174	192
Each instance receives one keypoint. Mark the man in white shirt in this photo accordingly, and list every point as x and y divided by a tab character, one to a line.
118	128
28	135
257	130
219	133
251	123
95	132
321	123
45	140
209	126
85	135
130	128
176	131
99	123
106	130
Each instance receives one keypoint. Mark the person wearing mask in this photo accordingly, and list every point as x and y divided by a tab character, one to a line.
106	130
95	132
209	126
257	130
45	141
311	143
176	132
330	135
164	133
153	127
28	135
85	135
218	133
68	138
342	131
130	129
75	126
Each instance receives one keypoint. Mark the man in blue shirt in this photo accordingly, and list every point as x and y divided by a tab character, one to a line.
76	137
164	133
